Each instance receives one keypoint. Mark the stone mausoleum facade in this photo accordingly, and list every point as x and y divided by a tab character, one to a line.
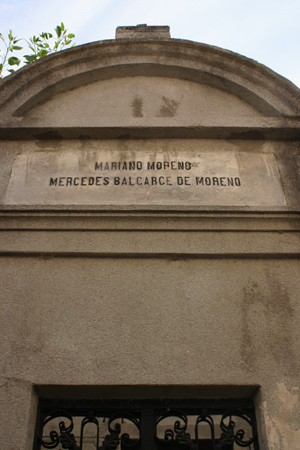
149	249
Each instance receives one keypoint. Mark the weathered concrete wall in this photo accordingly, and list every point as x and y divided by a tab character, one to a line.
115	296
160	321
154	321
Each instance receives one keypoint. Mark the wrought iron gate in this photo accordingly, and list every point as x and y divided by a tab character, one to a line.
146	425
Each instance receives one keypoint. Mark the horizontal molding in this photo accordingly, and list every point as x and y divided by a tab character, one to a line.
150	243
280	131
147	221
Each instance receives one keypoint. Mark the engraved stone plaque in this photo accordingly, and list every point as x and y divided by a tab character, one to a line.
145	178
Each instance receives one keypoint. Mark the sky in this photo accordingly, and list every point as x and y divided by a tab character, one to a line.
267	31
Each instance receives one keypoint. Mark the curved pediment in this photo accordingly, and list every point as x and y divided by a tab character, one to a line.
139	100
117	83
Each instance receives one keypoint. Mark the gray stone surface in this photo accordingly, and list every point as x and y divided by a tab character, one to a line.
108	176
143	31
247	80
156	296
279	163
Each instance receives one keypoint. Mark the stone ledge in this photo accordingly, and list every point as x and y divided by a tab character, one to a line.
151	244
279	131
149	221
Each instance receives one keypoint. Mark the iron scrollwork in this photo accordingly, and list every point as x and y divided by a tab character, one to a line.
115	431
230	433
65	437
153	423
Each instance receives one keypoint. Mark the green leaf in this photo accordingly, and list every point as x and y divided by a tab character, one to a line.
11	70
13	61
16	47
10	36
1	67
30	58
62	26
58	31
71	36
43	53
46	35
1	37
68	41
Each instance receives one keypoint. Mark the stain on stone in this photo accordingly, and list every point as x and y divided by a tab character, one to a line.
280	415
50	134
169	108
29	342
84	137
266	328
48	144
137	107
248	134
124	136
